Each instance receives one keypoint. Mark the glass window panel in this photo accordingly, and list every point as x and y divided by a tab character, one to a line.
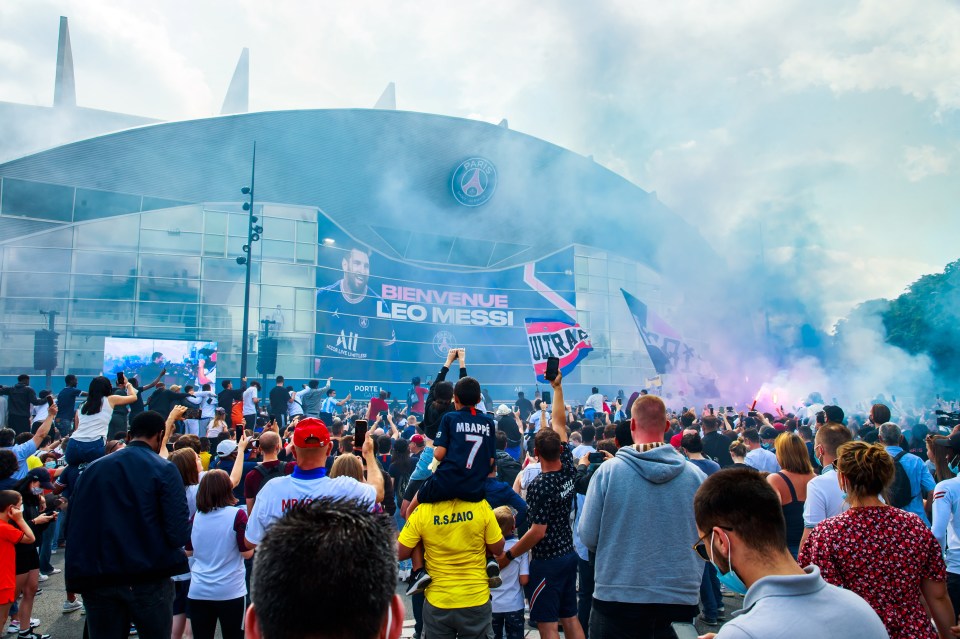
214	245
36	285
288	274
91	204
215	222
155	313
170	266
307	253
278	229
229	293
171	241
598	264
59	238
277	250
154	203
37	260
110	287
305	322
238	224
227	270
96	312
306	299
122	232
307	232
36	199
272	296
184	218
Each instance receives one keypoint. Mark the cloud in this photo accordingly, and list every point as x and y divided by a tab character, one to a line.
884	45
920	162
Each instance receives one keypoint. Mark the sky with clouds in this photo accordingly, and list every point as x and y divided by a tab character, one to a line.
827	132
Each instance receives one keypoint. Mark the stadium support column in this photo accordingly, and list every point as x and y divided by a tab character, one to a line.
253	235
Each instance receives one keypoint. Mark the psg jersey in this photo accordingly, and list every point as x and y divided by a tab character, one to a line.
352	343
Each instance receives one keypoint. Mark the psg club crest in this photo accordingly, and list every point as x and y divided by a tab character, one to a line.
474	181
364	322
443	341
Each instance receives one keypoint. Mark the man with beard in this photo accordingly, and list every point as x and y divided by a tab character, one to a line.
349	331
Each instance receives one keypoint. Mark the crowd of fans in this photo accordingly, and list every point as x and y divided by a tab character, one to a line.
199	508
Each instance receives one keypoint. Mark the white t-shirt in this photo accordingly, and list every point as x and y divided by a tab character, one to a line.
824	499
208	403
527	475
582	450
93	427
296	406
595	402
509	596
946	523
283	493
249	408
217	572
40	412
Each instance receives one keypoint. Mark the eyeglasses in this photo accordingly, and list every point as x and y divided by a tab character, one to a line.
701	547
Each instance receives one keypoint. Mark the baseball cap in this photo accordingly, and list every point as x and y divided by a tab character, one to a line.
768	432
502	410
676	439
953	441
311	428
43	475
779	427
226	448
417	439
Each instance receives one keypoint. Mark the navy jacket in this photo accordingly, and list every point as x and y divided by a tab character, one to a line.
129	521
502	494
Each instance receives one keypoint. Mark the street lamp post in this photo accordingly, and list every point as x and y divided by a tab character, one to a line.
253	235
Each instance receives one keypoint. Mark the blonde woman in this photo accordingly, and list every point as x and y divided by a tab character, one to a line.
349	466
796	471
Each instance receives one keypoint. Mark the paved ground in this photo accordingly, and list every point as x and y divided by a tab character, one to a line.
48	608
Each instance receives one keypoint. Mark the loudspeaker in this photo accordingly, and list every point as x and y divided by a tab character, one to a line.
267	356
45	347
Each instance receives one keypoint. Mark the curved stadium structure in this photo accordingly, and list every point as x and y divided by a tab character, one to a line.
467	229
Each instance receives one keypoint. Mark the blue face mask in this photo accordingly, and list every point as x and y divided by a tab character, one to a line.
729	578
954	466
767	447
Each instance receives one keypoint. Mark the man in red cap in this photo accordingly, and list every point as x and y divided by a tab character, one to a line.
309	481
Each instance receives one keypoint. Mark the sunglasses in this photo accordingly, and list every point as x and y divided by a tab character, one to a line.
701	546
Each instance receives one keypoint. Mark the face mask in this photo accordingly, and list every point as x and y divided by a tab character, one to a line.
51	464
729	578
37	490
954	466
767	447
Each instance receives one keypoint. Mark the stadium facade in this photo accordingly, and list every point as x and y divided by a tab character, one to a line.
467	230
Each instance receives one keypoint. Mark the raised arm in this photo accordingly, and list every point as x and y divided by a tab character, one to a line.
45	426
123	400
175	413
559	421
374	476
236	473
154	382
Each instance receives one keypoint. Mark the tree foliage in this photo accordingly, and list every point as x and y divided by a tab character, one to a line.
924	319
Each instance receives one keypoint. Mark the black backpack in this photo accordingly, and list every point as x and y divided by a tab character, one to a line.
900	494
507	468
270	473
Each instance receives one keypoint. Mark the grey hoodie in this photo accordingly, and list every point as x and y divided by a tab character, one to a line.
638	519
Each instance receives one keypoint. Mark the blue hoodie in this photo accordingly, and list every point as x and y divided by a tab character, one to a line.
638	519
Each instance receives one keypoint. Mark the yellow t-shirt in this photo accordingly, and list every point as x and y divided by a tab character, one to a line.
454	535
33	462
205	460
